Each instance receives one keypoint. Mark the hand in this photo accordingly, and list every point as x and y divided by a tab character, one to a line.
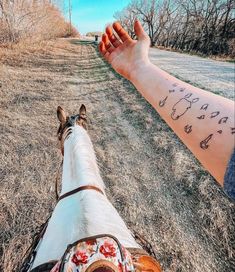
123	53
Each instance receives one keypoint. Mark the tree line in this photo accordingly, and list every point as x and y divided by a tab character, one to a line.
31	19
201	26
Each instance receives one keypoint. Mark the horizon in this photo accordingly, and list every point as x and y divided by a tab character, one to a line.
93	16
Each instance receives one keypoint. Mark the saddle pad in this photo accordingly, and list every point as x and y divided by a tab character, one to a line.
94	254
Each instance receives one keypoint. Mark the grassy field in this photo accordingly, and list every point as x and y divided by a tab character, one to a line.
155	183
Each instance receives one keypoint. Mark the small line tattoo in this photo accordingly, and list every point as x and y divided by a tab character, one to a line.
232	130
223	120
171	90
220	131
204	107
214	114
204	144
188	129
201	117
188	95
163	102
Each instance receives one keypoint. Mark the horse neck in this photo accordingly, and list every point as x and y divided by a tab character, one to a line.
80	167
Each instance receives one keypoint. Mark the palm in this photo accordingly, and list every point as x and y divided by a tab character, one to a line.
125	58
125	54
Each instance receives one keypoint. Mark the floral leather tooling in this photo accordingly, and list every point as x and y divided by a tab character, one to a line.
93	253
104	253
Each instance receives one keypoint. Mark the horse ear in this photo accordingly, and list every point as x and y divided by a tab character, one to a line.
82	110
61	115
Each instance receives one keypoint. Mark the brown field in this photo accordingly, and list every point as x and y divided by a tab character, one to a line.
156	184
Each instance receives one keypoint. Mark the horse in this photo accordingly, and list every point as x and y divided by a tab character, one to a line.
83	209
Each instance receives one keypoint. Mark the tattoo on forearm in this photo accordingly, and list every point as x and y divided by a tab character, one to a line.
204	144
214	114
204	107
188	129
163	102
223	120
188	95
172	90
201	117
182	106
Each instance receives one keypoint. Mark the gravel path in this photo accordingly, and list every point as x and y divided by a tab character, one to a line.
215	76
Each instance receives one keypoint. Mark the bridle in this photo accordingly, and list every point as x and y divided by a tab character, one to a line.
65	129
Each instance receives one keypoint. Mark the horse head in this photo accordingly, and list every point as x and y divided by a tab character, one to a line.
67	122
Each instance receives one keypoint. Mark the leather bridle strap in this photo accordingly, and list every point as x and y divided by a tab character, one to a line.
79	189
56	181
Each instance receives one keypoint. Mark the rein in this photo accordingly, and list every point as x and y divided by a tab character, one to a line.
74	191
79	189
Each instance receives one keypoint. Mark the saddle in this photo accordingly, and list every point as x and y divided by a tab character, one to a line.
101	253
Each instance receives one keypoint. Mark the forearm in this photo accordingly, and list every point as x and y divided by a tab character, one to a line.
202	120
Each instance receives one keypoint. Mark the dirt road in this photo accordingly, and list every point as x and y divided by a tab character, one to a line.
155	183
215	76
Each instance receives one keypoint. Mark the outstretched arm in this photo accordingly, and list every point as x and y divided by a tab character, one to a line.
202	120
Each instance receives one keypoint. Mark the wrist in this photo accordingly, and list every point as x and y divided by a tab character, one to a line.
139	68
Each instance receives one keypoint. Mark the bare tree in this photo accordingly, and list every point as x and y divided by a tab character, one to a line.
191	25
147	12
70	17
154	14
127	18
27	19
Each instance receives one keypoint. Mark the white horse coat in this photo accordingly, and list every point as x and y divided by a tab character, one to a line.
85	213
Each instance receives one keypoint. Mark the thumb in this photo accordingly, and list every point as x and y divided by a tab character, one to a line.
139	31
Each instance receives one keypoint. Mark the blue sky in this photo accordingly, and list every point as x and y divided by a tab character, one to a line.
91	15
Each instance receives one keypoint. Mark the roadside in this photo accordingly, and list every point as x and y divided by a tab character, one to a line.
215	76
155	183
222	58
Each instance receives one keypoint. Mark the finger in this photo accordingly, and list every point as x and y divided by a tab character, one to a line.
139	31
121	32
108	46
113	39
106	56
103	51
102	48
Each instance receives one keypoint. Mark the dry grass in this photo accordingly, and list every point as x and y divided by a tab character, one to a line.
32	21
152	179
